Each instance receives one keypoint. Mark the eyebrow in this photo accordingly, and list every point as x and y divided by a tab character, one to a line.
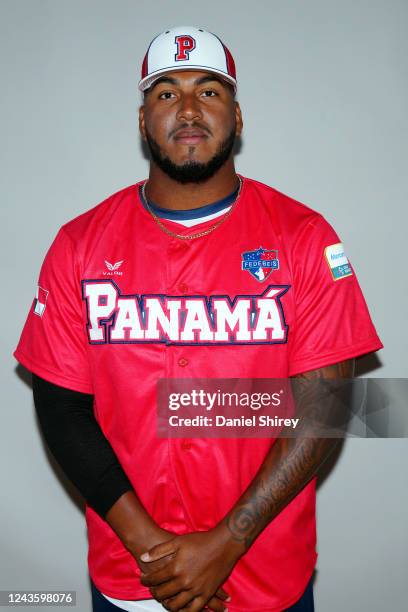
209	77
200	81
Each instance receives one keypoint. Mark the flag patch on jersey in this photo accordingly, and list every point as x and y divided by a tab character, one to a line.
40	301
337	260
260	263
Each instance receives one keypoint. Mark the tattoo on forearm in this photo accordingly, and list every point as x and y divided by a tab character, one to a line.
290	464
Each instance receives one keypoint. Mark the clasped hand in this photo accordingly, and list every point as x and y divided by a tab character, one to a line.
186	572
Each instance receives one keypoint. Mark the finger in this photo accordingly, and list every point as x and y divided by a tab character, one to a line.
164	574
195	605
216	605
166	590
178	602
222	594
154	566
159	551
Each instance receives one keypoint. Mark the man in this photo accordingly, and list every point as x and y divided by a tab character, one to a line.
197	272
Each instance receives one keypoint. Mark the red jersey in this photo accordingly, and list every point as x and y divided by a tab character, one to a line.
120	304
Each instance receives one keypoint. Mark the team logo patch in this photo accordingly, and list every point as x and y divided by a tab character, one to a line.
338	263
260	263
40	301
185	44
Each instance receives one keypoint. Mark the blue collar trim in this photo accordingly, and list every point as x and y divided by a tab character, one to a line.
194	213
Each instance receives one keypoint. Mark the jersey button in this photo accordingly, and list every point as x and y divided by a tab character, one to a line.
183	362
186	445
183	288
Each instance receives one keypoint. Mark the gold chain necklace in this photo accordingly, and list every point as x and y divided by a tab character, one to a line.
190	236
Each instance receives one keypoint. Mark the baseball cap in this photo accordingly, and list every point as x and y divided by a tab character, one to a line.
187	48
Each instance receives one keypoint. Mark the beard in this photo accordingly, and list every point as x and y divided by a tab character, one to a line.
191	171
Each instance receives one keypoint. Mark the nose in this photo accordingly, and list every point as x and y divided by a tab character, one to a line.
189	109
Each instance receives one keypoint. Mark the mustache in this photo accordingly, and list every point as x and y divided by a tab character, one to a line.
187	126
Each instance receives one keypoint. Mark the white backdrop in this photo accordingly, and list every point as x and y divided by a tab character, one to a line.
323	89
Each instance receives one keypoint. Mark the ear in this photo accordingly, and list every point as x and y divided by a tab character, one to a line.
238	119
142	128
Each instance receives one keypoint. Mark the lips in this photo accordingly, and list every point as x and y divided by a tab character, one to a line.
190	136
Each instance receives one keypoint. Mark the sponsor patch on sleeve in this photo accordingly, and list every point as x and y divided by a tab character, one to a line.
40	301
337	261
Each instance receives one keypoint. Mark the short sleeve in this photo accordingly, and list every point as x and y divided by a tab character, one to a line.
332	322
53	342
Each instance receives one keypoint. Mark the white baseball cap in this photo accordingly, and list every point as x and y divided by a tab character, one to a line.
187	48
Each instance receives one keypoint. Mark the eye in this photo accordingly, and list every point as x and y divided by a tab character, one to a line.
166	95
209	93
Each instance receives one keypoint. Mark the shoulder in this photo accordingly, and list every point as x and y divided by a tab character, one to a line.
290	214
95	220
78	239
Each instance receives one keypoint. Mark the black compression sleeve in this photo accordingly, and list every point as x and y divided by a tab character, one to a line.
79	445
